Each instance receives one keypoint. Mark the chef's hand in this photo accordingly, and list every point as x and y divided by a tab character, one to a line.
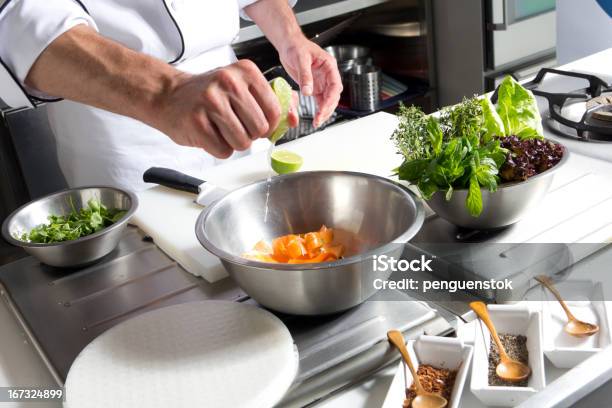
222	110
316	71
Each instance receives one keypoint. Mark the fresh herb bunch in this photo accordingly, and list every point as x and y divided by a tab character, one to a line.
461	149
92	218
413	122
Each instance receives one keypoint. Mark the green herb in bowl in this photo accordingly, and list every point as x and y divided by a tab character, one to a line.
462	147
92	218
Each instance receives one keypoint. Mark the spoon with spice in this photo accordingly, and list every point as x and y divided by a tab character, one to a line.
507	369
573	327
423	399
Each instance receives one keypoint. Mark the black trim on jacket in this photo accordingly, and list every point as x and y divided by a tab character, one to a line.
33	99
179	31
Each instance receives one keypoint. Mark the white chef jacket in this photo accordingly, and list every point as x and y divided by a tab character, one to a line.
99	147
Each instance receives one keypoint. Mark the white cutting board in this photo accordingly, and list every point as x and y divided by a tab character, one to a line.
169	216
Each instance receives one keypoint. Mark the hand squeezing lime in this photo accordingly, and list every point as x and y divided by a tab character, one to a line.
284	93
283	161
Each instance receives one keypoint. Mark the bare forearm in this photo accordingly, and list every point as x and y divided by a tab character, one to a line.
83	66
276	20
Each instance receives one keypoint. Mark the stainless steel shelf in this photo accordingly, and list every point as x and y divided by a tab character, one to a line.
310	12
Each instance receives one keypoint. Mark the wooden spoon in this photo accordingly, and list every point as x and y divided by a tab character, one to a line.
573	327
423	399
507	369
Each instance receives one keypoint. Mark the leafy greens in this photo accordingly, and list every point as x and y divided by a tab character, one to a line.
92	218
461	149
518	110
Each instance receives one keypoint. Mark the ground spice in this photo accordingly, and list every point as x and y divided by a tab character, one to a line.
436	380
516	347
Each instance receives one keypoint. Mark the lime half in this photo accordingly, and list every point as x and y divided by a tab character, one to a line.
284	161
284	93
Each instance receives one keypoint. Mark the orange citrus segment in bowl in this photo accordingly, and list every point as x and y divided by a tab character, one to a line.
311	247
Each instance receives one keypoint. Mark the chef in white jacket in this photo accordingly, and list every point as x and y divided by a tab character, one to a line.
152	83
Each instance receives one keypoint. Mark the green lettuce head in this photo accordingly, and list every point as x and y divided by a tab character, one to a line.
518	110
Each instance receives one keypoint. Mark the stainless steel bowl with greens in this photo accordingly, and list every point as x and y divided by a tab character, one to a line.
72	227
479	165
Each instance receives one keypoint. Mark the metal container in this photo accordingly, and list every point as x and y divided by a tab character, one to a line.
364	87
502	208
78	252
379	214
348	55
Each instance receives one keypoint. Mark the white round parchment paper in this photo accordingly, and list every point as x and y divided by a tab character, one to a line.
200	354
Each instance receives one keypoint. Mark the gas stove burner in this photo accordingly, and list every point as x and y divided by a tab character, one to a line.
583	114
601	108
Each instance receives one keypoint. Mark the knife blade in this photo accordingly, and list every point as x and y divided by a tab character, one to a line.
207	193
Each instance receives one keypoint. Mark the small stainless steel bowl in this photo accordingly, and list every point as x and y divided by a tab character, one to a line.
347	56
344	53
78	252
381	215
502	208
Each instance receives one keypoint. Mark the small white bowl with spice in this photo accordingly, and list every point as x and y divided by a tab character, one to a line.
520	330
442	364
586	302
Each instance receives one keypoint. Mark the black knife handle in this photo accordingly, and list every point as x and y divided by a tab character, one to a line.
172	179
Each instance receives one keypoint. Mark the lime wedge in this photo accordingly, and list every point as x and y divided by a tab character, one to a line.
284	161
284	93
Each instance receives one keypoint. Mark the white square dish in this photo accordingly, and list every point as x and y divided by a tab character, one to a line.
439	352
587	304
516	320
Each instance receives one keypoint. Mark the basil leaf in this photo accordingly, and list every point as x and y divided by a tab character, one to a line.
473	201
412	170
435	135
427	188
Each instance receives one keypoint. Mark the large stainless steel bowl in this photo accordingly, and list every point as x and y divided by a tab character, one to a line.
380	214
502	208
78	252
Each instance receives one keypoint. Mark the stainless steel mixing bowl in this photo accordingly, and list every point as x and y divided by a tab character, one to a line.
502	208
380	216
78	252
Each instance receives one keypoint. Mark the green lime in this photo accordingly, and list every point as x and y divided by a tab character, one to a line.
284	93
284	161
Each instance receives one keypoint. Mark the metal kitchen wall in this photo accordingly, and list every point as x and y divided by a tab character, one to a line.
478	42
